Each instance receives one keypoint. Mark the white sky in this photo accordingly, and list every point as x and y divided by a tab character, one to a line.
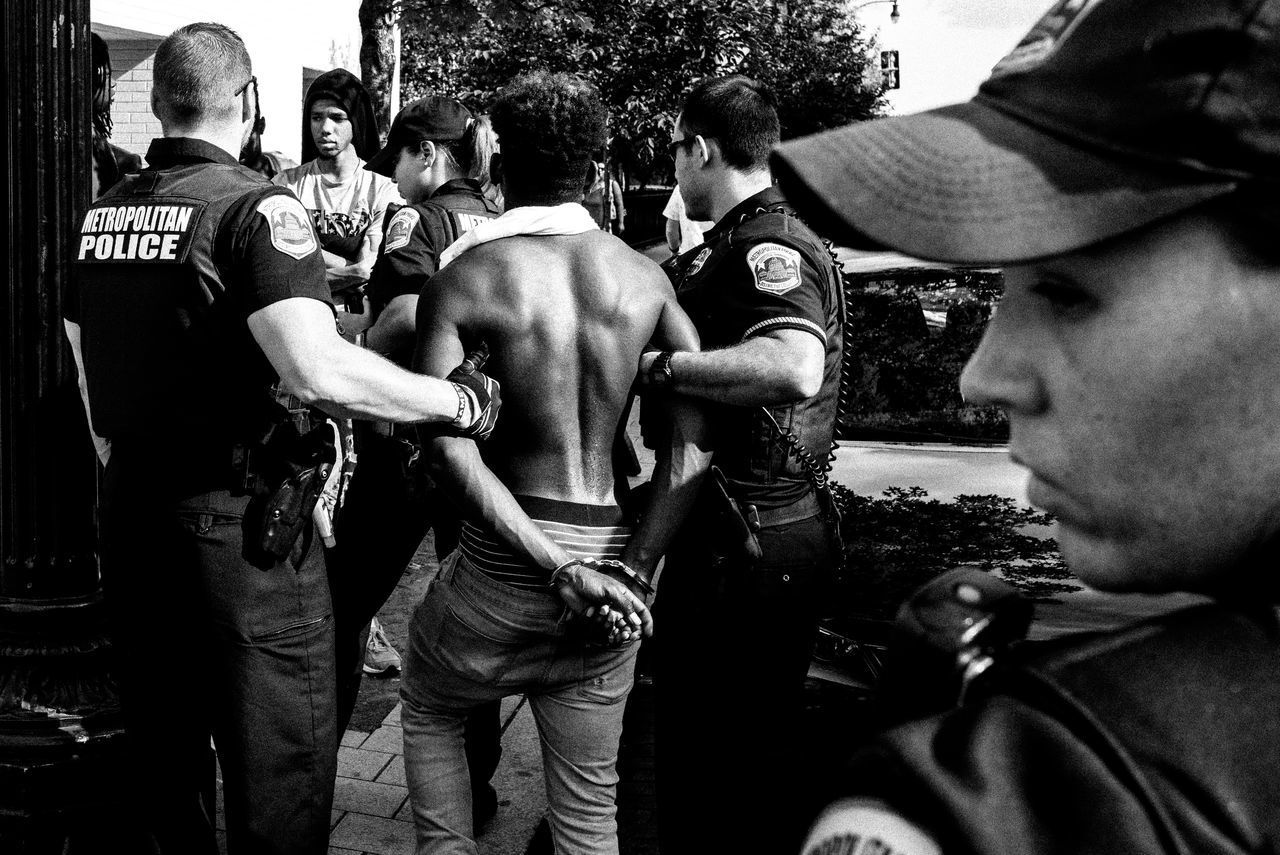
947	47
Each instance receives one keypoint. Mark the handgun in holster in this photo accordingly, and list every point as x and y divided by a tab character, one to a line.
733	535
284	474
947	638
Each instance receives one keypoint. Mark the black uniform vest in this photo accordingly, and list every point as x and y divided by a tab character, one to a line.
760	469
166	348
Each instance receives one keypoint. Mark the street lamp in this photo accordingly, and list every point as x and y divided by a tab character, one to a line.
894	15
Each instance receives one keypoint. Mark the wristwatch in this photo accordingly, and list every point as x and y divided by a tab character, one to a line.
660	371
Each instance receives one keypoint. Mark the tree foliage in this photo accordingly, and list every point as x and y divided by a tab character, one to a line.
643	55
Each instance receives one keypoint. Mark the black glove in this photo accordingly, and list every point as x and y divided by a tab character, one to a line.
480	394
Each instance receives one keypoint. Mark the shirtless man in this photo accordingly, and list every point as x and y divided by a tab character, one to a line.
566	310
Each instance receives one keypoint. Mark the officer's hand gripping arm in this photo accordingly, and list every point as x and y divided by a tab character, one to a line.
299	339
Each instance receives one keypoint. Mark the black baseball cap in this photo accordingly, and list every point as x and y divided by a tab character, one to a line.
1108	116
431	118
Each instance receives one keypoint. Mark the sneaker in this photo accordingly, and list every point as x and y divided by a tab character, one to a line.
379	655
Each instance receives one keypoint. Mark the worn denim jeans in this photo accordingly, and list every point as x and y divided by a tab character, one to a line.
473	640
208	644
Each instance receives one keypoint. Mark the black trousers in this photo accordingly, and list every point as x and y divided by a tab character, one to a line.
385	516
732	647
213	639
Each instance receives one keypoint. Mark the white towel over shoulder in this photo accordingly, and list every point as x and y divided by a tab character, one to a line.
569	218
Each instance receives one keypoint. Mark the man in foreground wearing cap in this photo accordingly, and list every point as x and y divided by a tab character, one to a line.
1122	164
391	503
199	299
566	310
765	295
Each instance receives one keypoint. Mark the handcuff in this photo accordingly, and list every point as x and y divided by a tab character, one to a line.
608	566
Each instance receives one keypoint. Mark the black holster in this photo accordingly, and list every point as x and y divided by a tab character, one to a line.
284	476
731	533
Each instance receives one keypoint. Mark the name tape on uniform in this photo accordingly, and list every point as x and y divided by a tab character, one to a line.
467	222
145	232
290	225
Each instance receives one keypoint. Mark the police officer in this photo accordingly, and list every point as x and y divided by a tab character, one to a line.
1120	165
200	293
737	609
430	153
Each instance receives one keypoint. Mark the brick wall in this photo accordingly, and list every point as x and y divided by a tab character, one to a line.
134	125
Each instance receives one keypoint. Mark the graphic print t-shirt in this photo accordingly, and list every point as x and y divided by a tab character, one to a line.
346	214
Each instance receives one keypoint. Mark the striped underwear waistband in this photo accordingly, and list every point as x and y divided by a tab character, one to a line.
584	531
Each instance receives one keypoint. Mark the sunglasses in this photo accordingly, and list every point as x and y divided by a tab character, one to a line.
676	145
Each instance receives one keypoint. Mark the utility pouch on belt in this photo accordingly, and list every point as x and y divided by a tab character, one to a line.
732	534
285	476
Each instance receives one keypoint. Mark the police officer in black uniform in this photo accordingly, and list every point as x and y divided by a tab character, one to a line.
737	604
1120	165
199	296
391	504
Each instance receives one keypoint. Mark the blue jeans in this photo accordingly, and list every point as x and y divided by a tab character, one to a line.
474	640
208	644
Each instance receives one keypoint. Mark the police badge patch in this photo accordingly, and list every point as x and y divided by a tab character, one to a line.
776	268
402	226
289	224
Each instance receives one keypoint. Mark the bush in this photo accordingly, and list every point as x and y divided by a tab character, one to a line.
897	543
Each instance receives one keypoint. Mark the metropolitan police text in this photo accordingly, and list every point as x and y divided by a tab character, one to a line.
128	232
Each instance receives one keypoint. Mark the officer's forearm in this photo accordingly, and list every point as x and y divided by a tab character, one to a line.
355	383
761	371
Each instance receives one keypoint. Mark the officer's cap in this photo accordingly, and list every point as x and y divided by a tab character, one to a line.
431	118
1108	116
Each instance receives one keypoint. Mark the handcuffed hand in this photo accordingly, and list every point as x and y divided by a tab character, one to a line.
479	394
616	613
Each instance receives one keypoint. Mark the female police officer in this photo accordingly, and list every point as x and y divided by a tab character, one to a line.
1122	163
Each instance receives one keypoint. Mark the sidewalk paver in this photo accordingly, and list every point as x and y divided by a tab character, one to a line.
361	763
368	797
373	834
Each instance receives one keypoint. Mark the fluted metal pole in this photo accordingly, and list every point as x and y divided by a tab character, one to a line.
57	702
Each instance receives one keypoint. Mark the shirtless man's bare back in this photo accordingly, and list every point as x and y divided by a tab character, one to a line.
566	311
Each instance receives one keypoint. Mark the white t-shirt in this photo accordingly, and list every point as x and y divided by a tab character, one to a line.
690	230
347	214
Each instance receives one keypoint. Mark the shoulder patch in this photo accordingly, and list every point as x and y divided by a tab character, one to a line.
700	260
402	226
776	268
290	225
